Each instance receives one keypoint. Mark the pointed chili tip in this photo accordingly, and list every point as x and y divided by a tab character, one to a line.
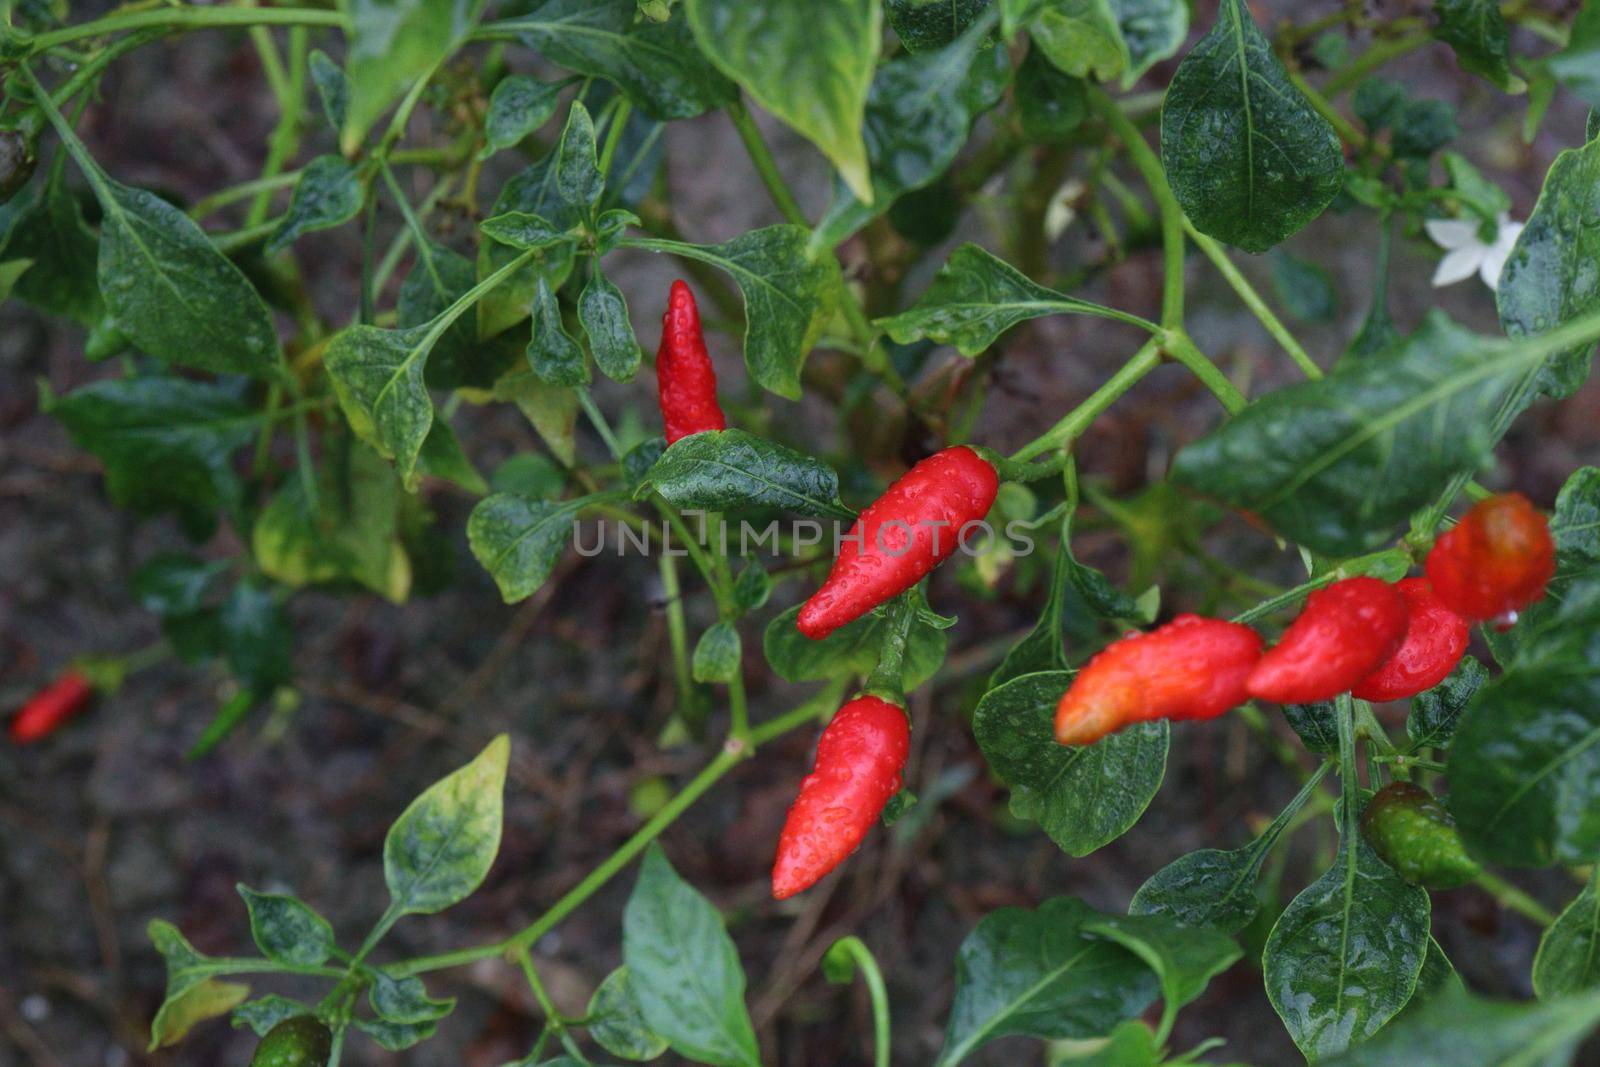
681	303
811	622
785	884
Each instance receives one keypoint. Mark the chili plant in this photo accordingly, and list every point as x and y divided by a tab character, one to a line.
1224	140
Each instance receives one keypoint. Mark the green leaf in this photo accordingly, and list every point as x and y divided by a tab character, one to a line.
578	181
442	457
49	232
1476	193
1315	724
809	64
1568	961
1344	956
655	64
1549	278
1422	128
1081	37
683	969
438	278
1082	796
1476	32
1035	972
1457	1029
332	87
1378	102
851	650
919	112
928	25
531	192
175	584
789	295
752	587
615	1023
378	376
1577	66
1184	958
263	1013
518	106
556	359
1524	766
391	44
1044	648
286	929
730	470
976	297
1336	464
256	637
175	296
1305	289
405	1000
179	1014
1212	887
441	847
604	314
396	1037
553	411
524	231
1248	157
331	191
718	654
1050	105
1435	713
518	540
1153	30
166	443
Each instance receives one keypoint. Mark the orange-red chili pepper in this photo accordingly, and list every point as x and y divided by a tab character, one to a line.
686	379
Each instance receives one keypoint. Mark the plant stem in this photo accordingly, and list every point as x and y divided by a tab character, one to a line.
678	639
243	191
619	123
1511	897
766	167
1252	300
1409	762
1149	167
1373	58
597	419
290	92
857	950
1065	431
187	18
1184	351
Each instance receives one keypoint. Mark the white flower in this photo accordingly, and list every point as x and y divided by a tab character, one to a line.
1466	252
1062	209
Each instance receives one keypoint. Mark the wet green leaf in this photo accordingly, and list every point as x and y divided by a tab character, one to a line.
441	847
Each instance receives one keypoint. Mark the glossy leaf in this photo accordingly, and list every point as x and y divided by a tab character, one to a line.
441	847
919	111
604	314
330	192
683	969
976	297
730	470
852	649
615	1023
1082	796
1248	157
1550	278
438	278
928	25
166	443
555	357
1153	30
1337	464
173	294
1458	1029
519	540
1185	958
1212	887
391	44
1081	37
1435	713
655	64
808	64
285	928
1050	104
48	233
531	192
578	181
518	106
1035	972
717	654
379	378
1344	956
1315	725
1476	31
1569	952
1044	648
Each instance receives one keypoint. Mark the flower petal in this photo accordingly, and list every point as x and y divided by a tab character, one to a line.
1458	265
1452	233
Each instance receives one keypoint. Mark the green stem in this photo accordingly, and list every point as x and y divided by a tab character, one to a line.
1180	348
285	140
186	18
766	167
1346	129
1373	58
614	132
1411	762
888	677
1065	431
597	418
857	950
553	1019
1149	168
678	639
1349	786
1511	897
1252	300
243	191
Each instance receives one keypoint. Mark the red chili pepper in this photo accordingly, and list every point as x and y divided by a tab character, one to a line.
901	536
51	707
858	765
1496	561
1191	668
687	381
1436	638
1345	632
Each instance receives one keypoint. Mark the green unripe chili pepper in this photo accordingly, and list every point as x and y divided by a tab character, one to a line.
16	162
1413	833
301	1041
